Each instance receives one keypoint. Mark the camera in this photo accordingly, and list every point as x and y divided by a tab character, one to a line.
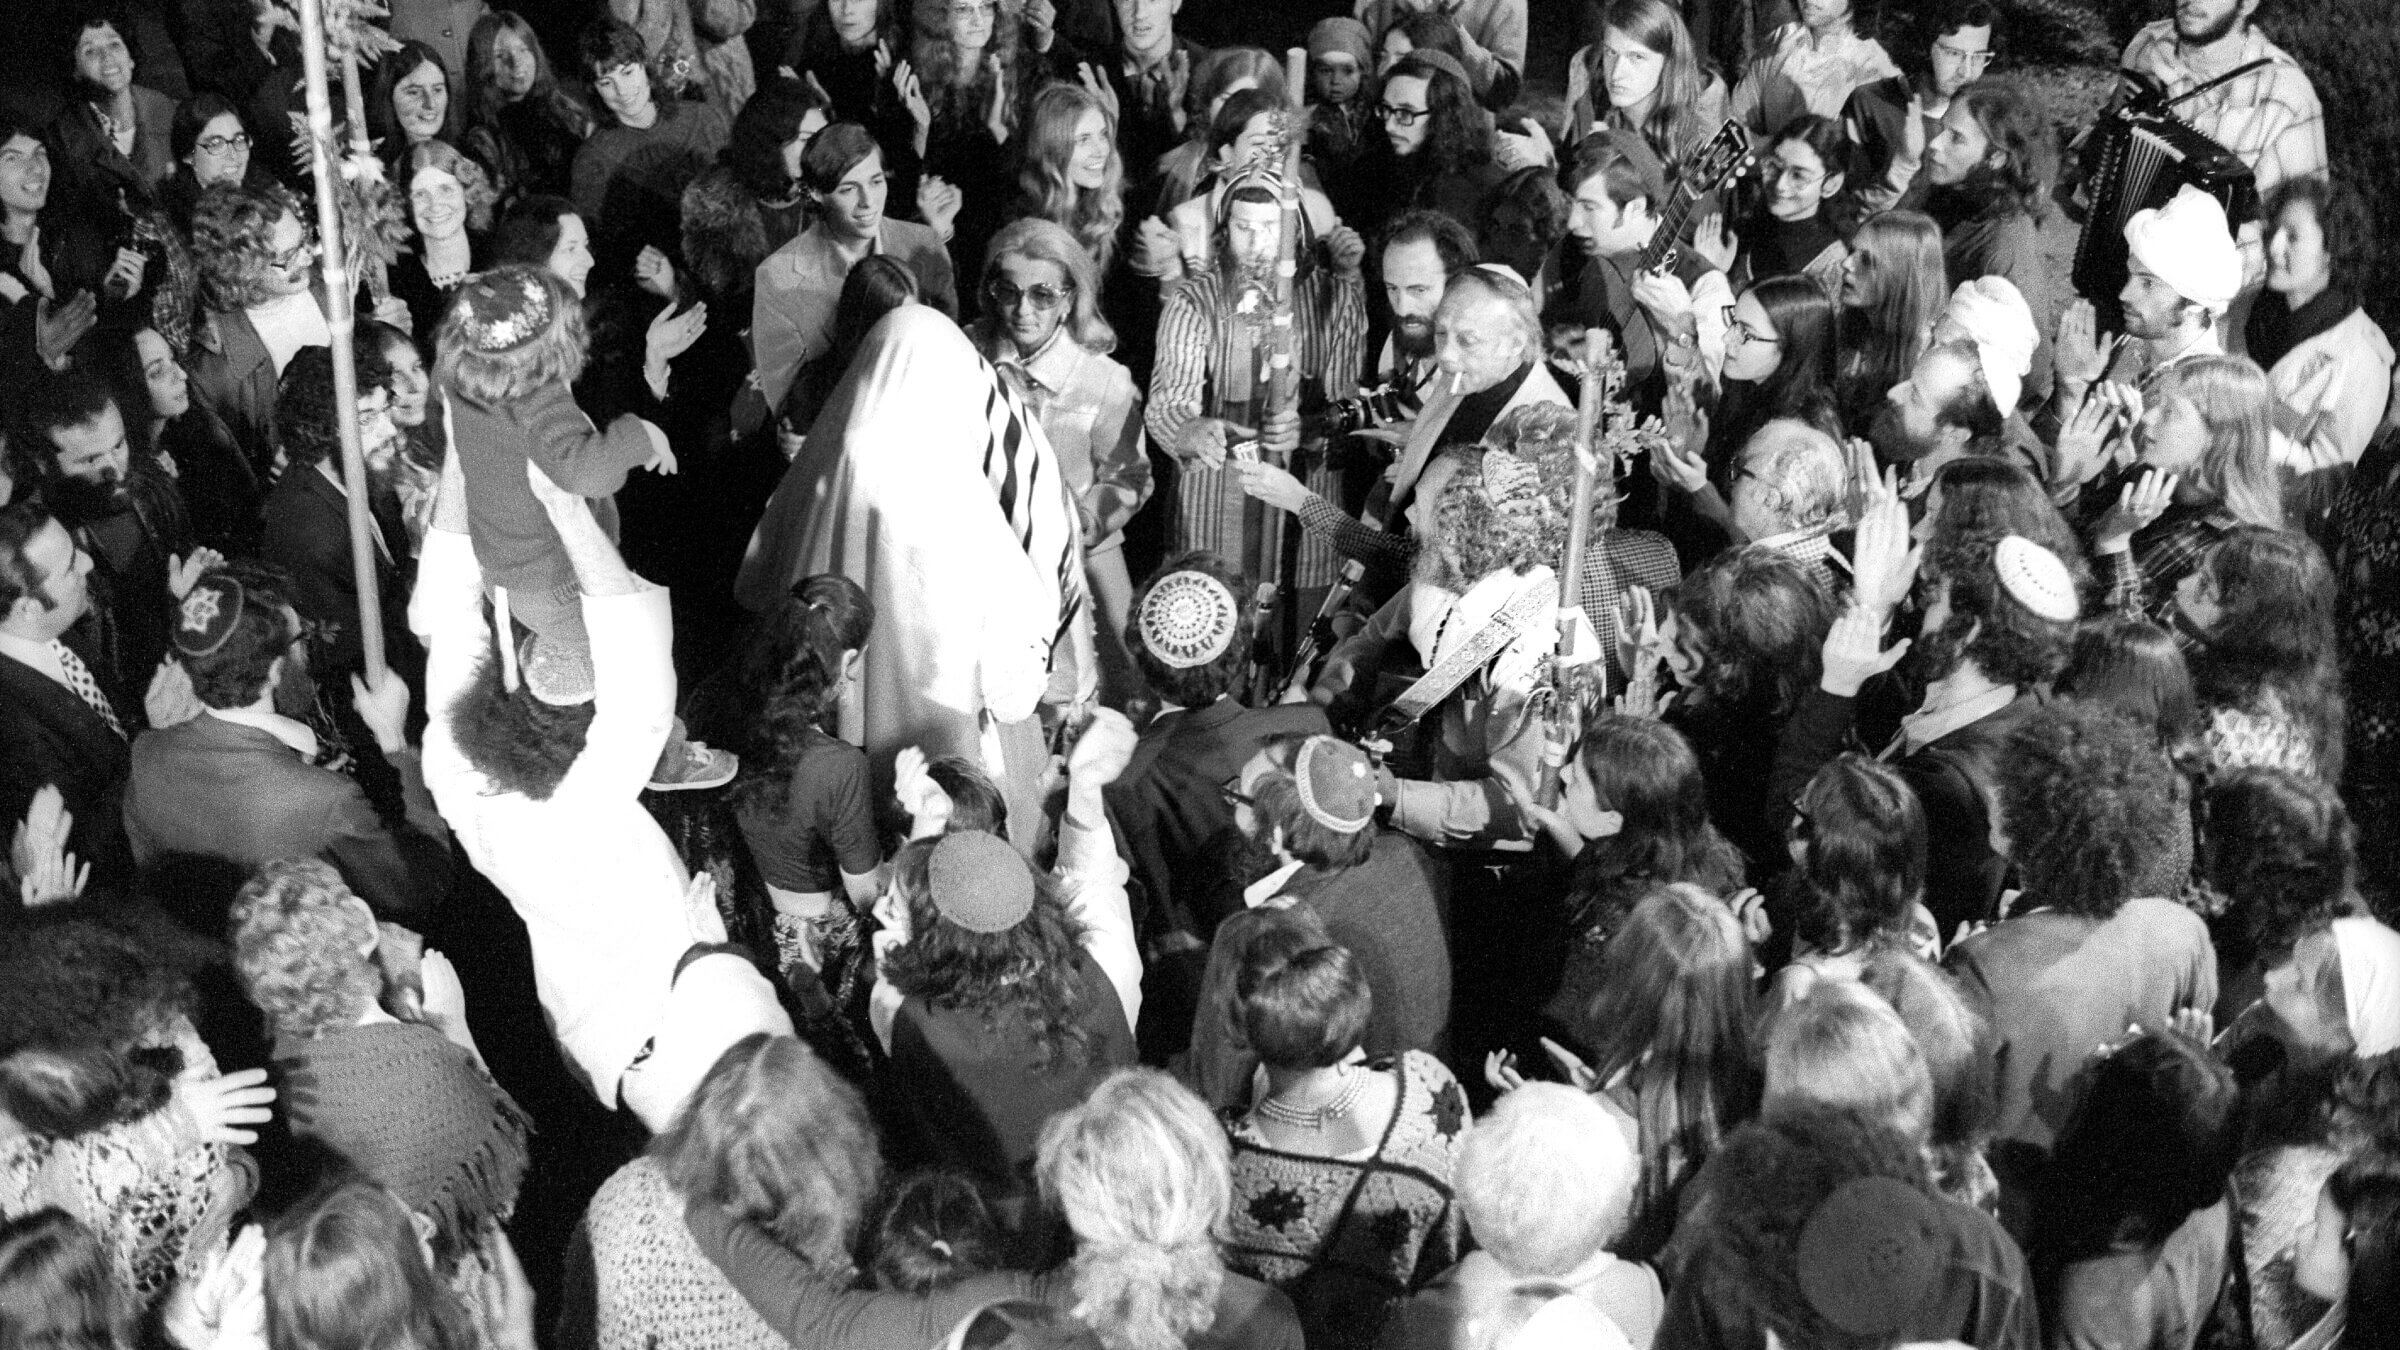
1377	407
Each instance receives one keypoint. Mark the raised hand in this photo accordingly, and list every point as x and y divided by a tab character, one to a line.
2140	503
31	266
1716	243
1347	248
1157	249
382	704
1854	652
654	272
996	118
927	805
1637	628
2079	355
225	1107
1883	554
57	328
937	204
184	572
672	334
1679	460
1097	85
1041	24
2083	439
46	871
883	59
125	273
1179	84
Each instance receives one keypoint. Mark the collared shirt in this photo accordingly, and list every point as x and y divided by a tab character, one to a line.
1931	723
294	735
1802	73
2270	118
1268	888
41	656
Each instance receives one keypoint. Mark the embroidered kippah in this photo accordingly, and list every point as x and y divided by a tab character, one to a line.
980	882
1188	619
2036	577
208	613
1337	784
557	673
503	310
1869	1254
1513	486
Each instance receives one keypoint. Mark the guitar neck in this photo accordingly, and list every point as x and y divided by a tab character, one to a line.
1670	230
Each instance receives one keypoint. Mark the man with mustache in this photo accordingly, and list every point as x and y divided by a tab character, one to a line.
2270	117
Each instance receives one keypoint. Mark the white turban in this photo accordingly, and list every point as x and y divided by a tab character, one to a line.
1993	314
2188	245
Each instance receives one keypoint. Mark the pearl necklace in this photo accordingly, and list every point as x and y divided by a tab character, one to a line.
1325	1113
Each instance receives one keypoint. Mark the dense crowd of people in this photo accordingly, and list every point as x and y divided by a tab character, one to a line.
1061	679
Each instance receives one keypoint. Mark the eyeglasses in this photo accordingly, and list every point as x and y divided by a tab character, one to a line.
1799	176
1236	797
1971	60
297	253
1737	328
1400	116
219	145
1045	297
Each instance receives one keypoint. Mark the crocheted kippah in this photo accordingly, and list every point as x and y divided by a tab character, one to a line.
1869	1254
503	310
1337	784
208	613
557	673
980	882
1513	486
2036	577
1188	619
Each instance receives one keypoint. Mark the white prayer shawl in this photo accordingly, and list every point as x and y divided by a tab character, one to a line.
925	481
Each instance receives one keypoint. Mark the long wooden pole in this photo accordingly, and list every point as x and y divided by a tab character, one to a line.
339	321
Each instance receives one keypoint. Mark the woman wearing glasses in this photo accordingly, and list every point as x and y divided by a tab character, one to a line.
1802	215
210	146
1042	327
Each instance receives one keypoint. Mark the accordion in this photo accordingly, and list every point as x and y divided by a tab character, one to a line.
2139	157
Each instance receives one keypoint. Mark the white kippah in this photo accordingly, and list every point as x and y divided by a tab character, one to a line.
2037	578
1188	619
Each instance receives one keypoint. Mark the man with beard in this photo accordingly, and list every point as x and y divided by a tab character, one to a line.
1946	409
1306	810
1207	394
127	515
1998	614
2183	276
215	796
1878	116
2270	118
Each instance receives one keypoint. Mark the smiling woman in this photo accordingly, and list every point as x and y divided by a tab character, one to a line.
409	101
450	208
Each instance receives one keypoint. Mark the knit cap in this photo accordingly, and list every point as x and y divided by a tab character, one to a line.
2188	245
1993	314
979	882
502	310
1869	1255
206	616
1345	35
1336	783
1188	619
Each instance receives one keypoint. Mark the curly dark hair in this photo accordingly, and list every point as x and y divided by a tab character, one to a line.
516	741
1863	865
2009	642
2089	805
2342	216
61	1094
789	675
1193	686
1302	1009
94	974
383	124
2136	668
1768	1178
1758	618
2153	1139
307	427
2275	643
2282	852
1983	494
1025	975
1461	134
768	122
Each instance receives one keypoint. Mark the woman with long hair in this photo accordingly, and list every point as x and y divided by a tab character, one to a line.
1042	320
450	205
346	1267
210	145
1069	172
1857	883
1645	74
802	799
112	133
1364	1151
412	99
1666	1034
1779	362
1641	772
966	92
1894	287
2258	612
1803	212
411	473
1955	1037
164	423
758	171
1989	167
1839	1046
2207	432
404	1100
521	124
773	1137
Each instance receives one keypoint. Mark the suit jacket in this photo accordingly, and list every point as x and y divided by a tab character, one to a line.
308	535
48	735
234	377
210	800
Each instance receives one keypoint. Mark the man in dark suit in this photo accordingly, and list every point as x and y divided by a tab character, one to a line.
60	721
216	795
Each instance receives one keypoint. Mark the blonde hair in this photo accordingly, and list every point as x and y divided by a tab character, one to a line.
556	357
1546	1180
1842	1046
1092	215
1043	241
1144	1176
2237	404
298	938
